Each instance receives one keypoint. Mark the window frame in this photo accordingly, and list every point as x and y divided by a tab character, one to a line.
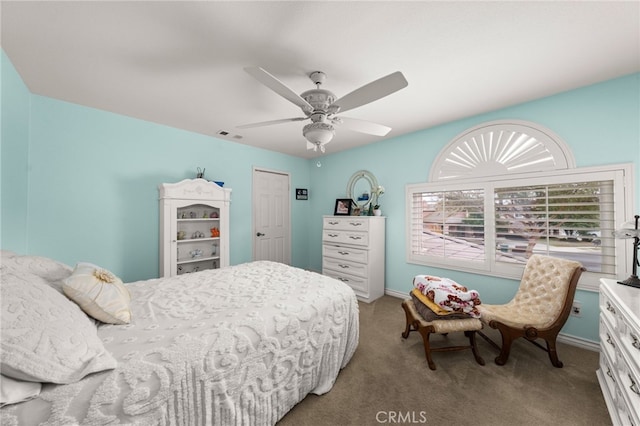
621	174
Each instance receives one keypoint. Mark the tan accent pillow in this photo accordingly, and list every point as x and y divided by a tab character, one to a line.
99	293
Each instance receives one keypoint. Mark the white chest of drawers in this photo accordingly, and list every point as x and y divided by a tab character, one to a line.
619	372
353	251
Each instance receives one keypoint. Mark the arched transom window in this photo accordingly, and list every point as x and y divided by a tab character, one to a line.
500	148
504	190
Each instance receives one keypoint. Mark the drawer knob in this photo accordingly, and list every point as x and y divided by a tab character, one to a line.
635	343
355	223
609	341
610	375
634	386
344	253
610	308
344	266
332	235
355	237
333	222
344	280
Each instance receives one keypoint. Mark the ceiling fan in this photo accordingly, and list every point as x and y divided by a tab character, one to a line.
321	106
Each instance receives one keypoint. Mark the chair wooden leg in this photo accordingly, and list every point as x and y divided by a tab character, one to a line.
472	341
553	354
505	349
427	348
410	321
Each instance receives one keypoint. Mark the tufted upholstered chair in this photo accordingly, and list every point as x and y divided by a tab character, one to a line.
540	307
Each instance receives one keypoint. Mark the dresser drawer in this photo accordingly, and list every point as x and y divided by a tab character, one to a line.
359	285
608	309
346	223
346	237
344	266
607	340
346	253
629	384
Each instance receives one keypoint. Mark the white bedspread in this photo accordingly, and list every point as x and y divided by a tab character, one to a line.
238	345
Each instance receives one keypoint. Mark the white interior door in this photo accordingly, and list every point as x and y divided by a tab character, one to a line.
271	216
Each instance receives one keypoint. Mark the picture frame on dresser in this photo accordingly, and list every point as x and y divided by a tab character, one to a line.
342	207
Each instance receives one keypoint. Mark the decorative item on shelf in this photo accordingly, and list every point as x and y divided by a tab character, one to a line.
630	230
195	253
200	174
181	235
197	234
215	232
357	211
192	215
214	215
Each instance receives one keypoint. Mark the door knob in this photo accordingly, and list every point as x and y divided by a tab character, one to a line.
260	234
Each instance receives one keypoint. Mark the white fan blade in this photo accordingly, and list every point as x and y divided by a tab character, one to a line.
371	92
364	126
269	123
277	86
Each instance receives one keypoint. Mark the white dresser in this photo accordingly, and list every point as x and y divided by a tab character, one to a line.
619	372
353	252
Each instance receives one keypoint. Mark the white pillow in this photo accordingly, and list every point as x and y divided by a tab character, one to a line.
6	254
51	270
99	293
46	337
14	391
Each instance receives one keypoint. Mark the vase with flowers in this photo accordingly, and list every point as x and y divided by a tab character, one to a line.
375	200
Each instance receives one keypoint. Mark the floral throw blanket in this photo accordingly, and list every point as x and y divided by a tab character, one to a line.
447	295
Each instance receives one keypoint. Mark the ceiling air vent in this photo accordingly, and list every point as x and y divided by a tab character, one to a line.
228	135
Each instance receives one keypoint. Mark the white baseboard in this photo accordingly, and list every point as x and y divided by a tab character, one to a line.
564	338
395	293
579	342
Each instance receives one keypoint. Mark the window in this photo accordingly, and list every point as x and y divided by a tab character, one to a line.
494	223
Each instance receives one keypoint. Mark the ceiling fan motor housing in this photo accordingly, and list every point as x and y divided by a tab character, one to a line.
319	99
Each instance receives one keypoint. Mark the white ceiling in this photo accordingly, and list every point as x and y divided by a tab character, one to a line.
181	63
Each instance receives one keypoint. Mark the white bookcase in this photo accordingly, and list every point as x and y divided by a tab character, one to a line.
353	251
194	226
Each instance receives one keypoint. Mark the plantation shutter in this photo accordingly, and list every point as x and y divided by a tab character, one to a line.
562	220
448	225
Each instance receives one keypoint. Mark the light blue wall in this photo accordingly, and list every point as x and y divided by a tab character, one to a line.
14	143
600	123
93	179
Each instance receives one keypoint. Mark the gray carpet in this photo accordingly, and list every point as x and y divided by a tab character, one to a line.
388	381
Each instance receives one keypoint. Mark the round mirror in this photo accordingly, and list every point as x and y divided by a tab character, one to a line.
361	186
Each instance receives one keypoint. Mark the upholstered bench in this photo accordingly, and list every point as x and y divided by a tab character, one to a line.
416	322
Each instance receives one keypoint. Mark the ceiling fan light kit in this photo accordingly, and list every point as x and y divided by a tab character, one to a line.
321	106
318	134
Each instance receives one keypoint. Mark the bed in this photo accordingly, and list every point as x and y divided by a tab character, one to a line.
237	345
